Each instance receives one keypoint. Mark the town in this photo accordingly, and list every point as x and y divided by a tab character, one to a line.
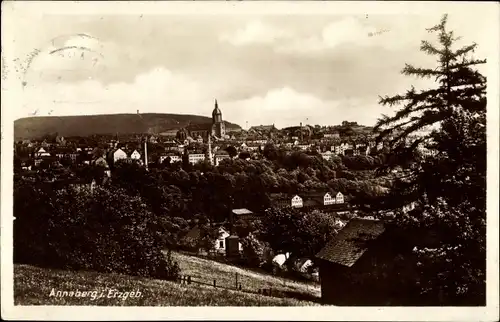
196	210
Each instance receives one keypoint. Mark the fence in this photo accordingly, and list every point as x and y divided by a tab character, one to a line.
189	280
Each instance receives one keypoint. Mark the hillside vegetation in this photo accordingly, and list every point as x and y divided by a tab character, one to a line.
85	125
33	286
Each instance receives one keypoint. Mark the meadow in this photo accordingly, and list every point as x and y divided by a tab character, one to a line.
33	286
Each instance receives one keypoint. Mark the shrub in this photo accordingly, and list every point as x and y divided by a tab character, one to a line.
101	230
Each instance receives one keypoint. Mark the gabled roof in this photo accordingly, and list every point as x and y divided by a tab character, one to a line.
351	242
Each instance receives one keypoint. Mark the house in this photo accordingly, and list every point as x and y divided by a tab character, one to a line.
242	213
117	154
327	155
284	200
280	259
222	243
194	158
42	153
100	161
221	155
297	202
173	158
332	135
365	265
339	198
328	200
135	155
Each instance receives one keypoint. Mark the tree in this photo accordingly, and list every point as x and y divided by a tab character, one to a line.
450	182
101	230
244	155
289	230
231	150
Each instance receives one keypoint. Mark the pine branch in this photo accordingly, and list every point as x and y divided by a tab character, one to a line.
428	48
464	50
409	70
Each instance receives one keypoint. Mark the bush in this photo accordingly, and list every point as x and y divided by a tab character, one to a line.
253	251
100	230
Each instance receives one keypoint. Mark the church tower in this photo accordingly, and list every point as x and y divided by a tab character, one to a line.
218	126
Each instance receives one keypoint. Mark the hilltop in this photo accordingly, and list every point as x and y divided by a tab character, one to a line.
85	125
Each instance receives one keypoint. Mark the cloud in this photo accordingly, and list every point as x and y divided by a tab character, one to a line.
255	32
287	107
158	90
162	91
350	31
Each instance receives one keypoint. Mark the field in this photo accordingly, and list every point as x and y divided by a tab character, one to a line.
33	286
226	275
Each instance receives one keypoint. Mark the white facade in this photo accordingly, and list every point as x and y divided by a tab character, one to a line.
220	243
297	202
280	259
220	157
42	153
173	158
339	198
328	200
327	155
135	155
119	154
196	157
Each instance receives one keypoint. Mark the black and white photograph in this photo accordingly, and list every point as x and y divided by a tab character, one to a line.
319	155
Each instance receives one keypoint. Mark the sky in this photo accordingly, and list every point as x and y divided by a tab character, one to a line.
262	69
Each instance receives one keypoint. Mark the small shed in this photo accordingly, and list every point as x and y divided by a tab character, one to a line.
370	263
233	246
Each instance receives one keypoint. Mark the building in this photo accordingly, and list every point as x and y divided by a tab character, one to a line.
371	263
173	158
341	256
42	153
331	135
241	214
328	200
217	128
135	155
327	155
297	202
117	154
194	158
219	156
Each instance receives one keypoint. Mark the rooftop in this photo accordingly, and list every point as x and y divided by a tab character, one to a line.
351	242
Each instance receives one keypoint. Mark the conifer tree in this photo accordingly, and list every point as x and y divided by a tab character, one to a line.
449	182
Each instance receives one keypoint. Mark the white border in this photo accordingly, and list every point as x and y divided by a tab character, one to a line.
10	10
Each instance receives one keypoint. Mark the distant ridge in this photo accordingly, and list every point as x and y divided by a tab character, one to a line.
85	125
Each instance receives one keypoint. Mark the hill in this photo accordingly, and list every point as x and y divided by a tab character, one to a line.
85	125
33	285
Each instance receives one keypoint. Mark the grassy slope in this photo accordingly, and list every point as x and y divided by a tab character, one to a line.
32	286
207	270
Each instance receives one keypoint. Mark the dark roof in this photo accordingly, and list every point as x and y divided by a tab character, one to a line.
351	242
